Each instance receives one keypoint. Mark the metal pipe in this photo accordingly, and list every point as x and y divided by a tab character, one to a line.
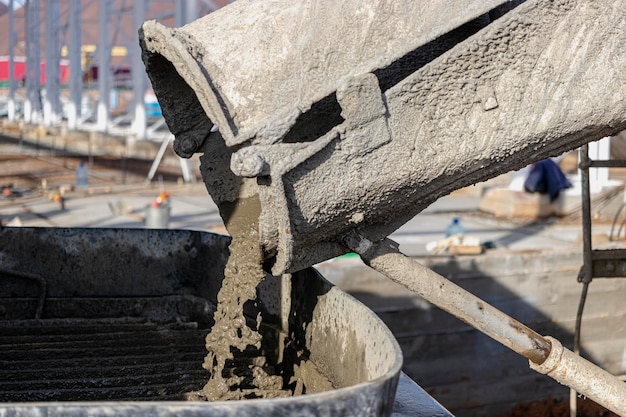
545	354
104	65
585	377
573	406
388	260
11	103
76	72
586	271
52	53
139	77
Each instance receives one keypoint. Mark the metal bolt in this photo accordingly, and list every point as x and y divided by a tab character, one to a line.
188	143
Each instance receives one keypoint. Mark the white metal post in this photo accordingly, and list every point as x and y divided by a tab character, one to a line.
104	65
186	11
600	151
32	104
192	11
212	4
179	13
138	73
51	100
75	58
11	103
27	110
36	53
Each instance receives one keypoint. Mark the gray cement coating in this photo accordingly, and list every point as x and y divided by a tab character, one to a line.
516	91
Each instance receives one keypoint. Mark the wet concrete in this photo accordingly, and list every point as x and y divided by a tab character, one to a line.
312	312
237	365
238	361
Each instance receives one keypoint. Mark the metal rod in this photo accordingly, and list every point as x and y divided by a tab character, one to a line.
388	260
573	395
159	156
586	272
76	71
11	104
104	65
579	316
138	74
619	163
546	355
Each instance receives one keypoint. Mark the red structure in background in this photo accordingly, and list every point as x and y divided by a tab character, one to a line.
19	66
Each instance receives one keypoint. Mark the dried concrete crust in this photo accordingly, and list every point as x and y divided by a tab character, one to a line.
545	78
265	63
336	335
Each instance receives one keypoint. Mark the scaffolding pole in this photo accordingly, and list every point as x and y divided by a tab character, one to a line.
186	12
27	111
138	74
32	104
75	58
11	104
104	65
51	101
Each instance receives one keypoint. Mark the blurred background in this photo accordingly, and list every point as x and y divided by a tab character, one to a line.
79	117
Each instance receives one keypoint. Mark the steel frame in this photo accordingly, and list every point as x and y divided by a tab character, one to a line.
61	21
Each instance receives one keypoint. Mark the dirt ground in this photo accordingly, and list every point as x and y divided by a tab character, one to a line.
551	408
22	168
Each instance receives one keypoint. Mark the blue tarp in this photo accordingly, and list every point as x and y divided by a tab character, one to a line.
546	177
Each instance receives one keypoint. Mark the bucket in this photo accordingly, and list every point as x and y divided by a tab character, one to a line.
170	278
158	217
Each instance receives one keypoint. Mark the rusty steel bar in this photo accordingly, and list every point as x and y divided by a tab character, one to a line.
546	355
389	261
583	376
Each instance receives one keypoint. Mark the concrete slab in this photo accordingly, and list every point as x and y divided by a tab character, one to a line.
430	225
191	208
